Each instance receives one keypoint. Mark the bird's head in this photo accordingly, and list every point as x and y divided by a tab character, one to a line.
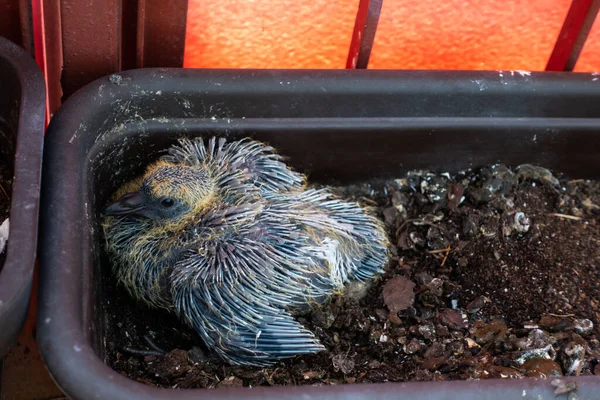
167	192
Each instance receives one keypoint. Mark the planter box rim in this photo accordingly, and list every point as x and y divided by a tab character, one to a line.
17	273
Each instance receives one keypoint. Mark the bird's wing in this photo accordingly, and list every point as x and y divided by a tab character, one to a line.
364	239
260	164
233	289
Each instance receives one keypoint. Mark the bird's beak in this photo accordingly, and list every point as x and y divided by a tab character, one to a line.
130	203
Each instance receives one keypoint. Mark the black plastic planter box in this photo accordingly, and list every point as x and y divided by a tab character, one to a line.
342	126
22	107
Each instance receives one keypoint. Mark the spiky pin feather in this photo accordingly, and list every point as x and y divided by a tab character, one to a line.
226	236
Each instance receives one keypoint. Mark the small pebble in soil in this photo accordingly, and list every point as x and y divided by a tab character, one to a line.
583	326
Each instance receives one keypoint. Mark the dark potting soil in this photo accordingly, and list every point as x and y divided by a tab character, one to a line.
495	274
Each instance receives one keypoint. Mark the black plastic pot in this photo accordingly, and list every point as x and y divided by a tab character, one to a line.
341	126
22	107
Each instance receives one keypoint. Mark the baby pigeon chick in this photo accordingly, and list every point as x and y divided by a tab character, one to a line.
227	237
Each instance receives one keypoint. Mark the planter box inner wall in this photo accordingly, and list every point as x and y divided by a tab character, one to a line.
340	127
9	122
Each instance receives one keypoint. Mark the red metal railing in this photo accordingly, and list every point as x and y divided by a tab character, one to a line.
124	34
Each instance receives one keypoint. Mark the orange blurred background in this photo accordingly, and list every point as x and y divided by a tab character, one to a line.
412	34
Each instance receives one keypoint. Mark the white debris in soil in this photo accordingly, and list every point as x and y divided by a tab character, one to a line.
583	326
536	353
521	223
3	234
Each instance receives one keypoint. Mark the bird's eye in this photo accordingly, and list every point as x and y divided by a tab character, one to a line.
167	202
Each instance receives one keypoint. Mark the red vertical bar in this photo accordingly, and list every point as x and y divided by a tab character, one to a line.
50	35
573	35
38	38
358	33
363	35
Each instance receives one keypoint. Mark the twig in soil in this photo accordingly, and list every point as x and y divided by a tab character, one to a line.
143	352
153	345
575	181
292	377
566	216
4	192
270	379
156	351
418	221
367	200
446	256
438	251
561	316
